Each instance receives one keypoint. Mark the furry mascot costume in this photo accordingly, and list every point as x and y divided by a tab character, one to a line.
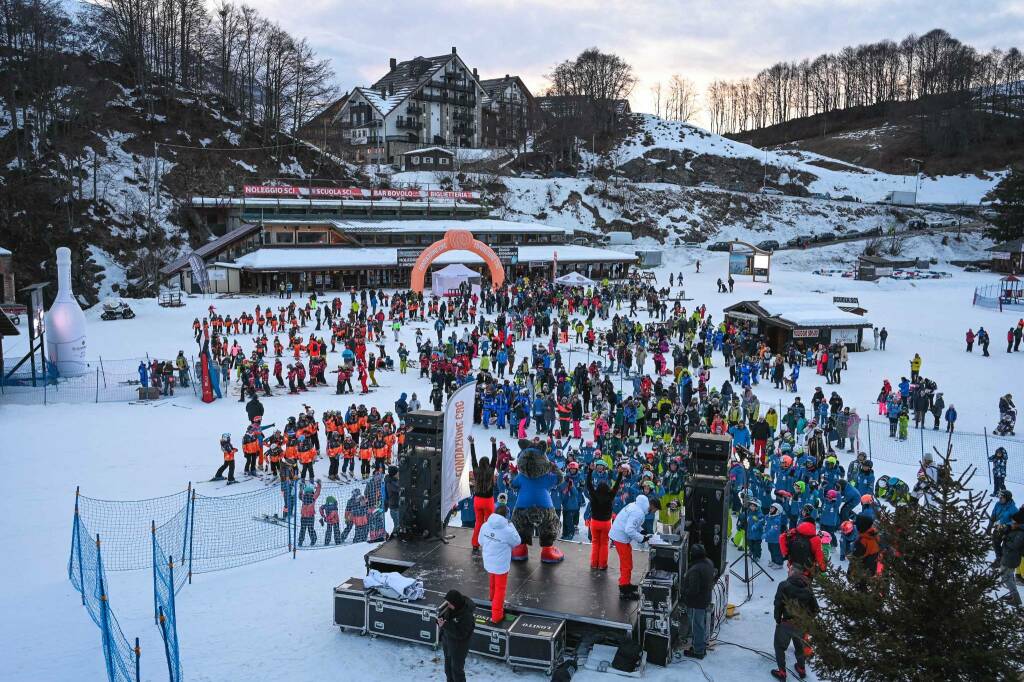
534	508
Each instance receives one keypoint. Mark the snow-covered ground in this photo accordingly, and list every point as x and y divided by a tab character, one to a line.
861	183
273	619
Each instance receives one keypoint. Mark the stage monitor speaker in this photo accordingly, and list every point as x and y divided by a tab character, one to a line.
706	517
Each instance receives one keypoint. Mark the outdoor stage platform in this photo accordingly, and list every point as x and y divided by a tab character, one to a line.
569	590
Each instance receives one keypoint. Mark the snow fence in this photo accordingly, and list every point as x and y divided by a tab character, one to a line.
105	381
969	449
187	533
85	571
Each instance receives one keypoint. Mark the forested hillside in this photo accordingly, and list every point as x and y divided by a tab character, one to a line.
101	144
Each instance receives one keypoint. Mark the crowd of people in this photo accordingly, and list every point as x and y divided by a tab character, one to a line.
614	380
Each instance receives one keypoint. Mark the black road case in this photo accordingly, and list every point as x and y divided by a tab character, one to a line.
669	557
659	591
350	605
410	621
488	639
536	642
661	634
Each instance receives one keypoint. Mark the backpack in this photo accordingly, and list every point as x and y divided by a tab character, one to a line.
798	549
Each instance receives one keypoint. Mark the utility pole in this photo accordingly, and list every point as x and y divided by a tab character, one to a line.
916	163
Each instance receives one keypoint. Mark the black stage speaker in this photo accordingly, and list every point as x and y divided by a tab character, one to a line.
706	517
419	474
709	454
424	420
424	428
419	478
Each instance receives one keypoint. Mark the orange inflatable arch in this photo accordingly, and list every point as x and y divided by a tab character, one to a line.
457	240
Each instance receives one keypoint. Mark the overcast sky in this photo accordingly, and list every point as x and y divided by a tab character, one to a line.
700	39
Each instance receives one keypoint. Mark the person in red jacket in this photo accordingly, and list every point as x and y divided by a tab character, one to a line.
801	545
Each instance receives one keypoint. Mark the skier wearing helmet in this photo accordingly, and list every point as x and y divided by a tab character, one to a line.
307	512
830	514
772	532
228	451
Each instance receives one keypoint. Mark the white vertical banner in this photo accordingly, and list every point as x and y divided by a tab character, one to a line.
455	464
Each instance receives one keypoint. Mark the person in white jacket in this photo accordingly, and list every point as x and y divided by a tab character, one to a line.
497	538
627	528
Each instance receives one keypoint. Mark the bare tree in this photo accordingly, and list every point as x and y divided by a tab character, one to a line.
682	99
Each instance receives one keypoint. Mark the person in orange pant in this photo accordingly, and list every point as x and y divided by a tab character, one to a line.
483	489
497	538
601	497
626	529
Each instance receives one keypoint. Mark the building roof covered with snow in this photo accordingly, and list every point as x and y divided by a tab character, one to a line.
795	312
329	258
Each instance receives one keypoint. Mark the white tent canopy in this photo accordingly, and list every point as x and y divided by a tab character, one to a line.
452	277
574	279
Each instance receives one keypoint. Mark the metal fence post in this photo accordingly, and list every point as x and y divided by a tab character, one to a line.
988	464
167	649
138	654
921	430
871	454
104	372
292	504
191	534
188	515
156	603
76	538
108	645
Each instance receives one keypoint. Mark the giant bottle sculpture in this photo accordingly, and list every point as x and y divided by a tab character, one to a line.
65	324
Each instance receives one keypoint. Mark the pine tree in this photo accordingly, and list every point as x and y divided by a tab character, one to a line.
933	613
1008	202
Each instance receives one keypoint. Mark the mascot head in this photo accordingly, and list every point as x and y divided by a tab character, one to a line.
532	461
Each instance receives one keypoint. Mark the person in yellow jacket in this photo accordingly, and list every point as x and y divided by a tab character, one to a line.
915	367
772	417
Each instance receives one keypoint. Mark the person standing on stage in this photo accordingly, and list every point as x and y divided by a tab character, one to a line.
497	538
601	498
627	528
457	625
483	489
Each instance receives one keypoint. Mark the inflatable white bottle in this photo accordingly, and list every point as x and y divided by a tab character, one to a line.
65	324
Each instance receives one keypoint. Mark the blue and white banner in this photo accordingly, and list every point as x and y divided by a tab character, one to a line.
200	276
458	425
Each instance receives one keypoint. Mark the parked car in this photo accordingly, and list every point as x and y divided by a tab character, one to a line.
772	191
825	236
799	240
768	245
820	195
719	246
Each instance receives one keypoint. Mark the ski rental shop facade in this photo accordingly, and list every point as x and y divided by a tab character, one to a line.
804	322
367	239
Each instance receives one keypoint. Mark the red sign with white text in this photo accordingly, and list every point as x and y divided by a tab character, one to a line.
271	190
356	193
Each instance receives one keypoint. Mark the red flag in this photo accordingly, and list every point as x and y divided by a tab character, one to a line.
204	361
